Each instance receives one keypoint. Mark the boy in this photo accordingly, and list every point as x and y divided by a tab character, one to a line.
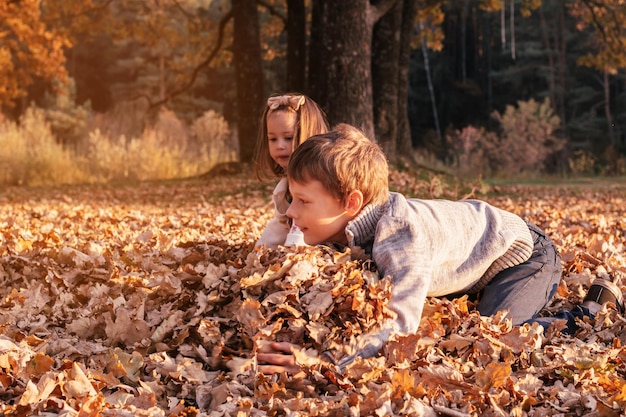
338	182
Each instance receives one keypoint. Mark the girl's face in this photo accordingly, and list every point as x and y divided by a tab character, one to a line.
281	127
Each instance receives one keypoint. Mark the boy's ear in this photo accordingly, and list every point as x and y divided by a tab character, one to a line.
354	202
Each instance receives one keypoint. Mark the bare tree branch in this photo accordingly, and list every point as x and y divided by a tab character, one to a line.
379	9
220	37
610	41
182	10
77	12
273	10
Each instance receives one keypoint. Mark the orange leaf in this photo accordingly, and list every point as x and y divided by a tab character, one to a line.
494	375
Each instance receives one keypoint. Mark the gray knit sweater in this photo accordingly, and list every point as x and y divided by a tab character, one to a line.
434	248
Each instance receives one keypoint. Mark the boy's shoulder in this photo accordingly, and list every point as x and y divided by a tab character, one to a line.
401	206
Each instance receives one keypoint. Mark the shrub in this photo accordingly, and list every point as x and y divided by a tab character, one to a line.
212	137
68	120
164	151
468	149
107	158
30	155
528	137
168	131
126	118
582	162
615	161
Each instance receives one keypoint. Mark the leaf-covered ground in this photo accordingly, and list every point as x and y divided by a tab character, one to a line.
150	300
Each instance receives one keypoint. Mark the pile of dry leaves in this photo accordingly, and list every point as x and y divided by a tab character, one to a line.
151	300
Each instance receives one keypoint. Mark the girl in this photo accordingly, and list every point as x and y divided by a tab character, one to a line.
287	121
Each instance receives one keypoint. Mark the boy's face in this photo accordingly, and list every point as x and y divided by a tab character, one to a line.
320	215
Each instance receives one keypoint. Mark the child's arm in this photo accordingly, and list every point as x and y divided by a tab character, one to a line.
404	256
275	232
277	357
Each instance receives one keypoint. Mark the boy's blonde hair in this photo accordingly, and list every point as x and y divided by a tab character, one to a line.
310	120
343	160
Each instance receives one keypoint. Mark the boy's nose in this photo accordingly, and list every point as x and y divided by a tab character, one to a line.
290	212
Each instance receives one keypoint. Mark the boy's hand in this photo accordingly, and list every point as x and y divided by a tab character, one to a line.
277	357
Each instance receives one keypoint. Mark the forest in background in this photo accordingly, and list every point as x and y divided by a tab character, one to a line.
99	90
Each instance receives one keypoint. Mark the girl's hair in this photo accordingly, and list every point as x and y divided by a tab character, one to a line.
310	121
343	160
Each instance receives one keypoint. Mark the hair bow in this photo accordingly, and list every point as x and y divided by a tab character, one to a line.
292	101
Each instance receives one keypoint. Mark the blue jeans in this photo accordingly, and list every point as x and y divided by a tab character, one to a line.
527	288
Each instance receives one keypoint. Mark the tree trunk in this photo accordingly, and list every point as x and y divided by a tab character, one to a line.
345	59
464	14
562	63
513	53
348	64
607	107
296	45
385	78
248	74
486	45
545	35
431	88
403	135
316	88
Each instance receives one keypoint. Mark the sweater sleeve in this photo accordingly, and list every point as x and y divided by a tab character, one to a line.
406	260
410	272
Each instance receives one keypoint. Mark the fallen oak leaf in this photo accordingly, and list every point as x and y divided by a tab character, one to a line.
39	364
317	331
188	370
306	357
74	383
36	393
446	377
272	273
406	381
73	257
250	317
84	327
494	375
209	331
126	330
124	365
317	304
404	348
300	271
213	274
239	366
225	396
457	343
92	406
167	325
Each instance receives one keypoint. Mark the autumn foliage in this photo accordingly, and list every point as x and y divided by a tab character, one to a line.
151	300
28	49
